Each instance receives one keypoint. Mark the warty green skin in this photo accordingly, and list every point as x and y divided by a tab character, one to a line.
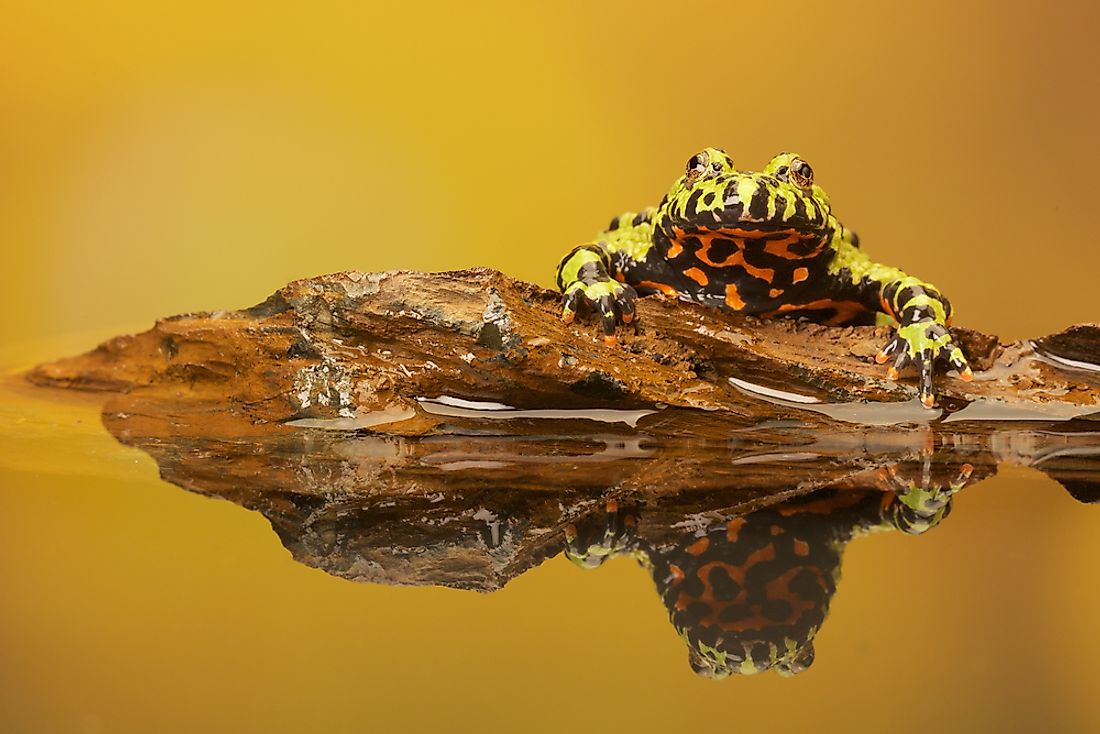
763	243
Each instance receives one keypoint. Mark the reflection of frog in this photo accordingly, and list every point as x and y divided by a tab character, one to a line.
750	594
757	243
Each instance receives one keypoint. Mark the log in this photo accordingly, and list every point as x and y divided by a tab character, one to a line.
364	347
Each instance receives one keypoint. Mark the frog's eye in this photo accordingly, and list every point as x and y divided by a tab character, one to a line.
697	166
800	173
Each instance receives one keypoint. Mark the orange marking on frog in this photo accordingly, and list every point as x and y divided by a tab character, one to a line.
781	247
736	258
801	548
699	547
823	505
886	307
888	498
697	275
775	292
800	274
733	528
663	288
780	589
733	298
738	574
674	249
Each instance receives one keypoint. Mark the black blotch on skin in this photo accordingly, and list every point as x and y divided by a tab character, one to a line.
734	613
777	610
614	225
639	219
708	199
721	249
804	246
761	653
699	610
693	202
692	586
724	587
691	244
799	209
758	207
806	584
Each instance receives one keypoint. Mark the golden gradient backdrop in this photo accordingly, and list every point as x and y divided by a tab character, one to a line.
164	157
157	158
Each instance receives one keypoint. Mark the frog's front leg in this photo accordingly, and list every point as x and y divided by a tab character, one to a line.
592	540
922	337
921	493
585	278
921	312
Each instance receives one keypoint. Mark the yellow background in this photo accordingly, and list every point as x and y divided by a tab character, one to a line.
162	157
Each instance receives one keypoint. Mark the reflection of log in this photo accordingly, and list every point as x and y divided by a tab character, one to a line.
361	347
472	507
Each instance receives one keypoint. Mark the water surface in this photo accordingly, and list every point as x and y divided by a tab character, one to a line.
132	605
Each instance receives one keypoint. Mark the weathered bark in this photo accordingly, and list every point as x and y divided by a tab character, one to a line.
364	347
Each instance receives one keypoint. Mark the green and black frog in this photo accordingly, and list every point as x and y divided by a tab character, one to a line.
749	594
759	243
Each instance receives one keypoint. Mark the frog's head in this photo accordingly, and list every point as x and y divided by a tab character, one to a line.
712	195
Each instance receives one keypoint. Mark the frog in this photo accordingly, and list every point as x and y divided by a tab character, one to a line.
749	593
763	244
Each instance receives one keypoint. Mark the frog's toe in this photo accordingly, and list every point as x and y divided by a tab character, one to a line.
885	352
605	307
925	362
611	301
897	349
624	299
954	356
572	302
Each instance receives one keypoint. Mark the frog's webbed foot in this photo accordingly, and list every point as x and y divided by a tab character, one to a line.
923	492
612	300
583	278
922	338
595	539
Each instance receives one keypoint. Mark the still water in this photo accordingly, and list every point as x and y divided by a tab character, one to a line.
533	579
